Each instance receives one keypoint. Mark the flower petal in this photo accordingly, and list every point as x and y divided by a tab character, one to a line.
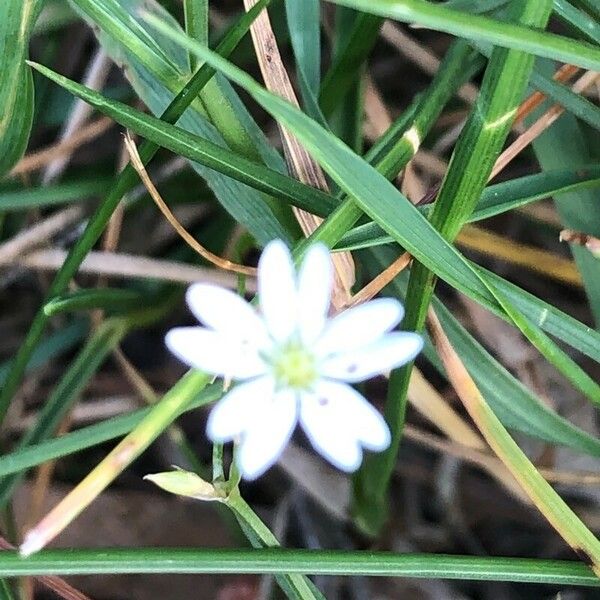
390	351
315	280
324	421
239	409
271	431
277	290
222	310
215	352
359	326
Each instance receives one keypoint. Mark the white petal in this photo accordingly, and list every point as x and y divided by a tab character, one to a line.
315	280
390	351
271	431
337	420
215	352
277	290
359	326
239	409
323	422
225	311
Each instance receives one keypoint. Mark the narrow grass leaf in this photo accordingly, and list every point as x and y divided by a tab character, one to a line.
484	29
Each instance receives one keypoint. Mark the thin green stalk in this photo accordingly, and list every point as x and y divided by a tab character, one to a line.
472	161
196	24
98	221
260	536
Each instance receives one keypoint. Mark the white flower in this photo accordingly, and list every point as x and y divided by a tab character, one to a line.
293	363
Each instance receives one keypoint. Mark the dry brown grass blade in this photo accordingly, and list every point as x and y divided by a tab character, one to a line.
485	460
433	407
189	239
39	234
39	159
580	238
550	116
534	259
121	265
562	75
426	60
373	288
299	161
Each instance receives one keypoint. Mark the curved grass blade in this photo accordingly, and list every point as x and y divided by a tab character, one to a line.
111	299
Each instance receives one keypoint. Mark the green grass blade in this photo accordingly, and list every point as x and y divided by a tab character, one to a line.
516	406
196	23
472	160
111	299
51	195
483	29
304	24
495	200
581	22
325	562
205	152
90	436
359	43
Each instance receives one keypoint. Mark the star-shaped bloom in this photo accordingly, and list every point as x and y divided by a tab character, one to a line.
292	363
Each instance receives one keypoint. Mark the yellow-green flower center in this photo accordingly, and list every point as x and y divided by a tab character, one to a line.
294	366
